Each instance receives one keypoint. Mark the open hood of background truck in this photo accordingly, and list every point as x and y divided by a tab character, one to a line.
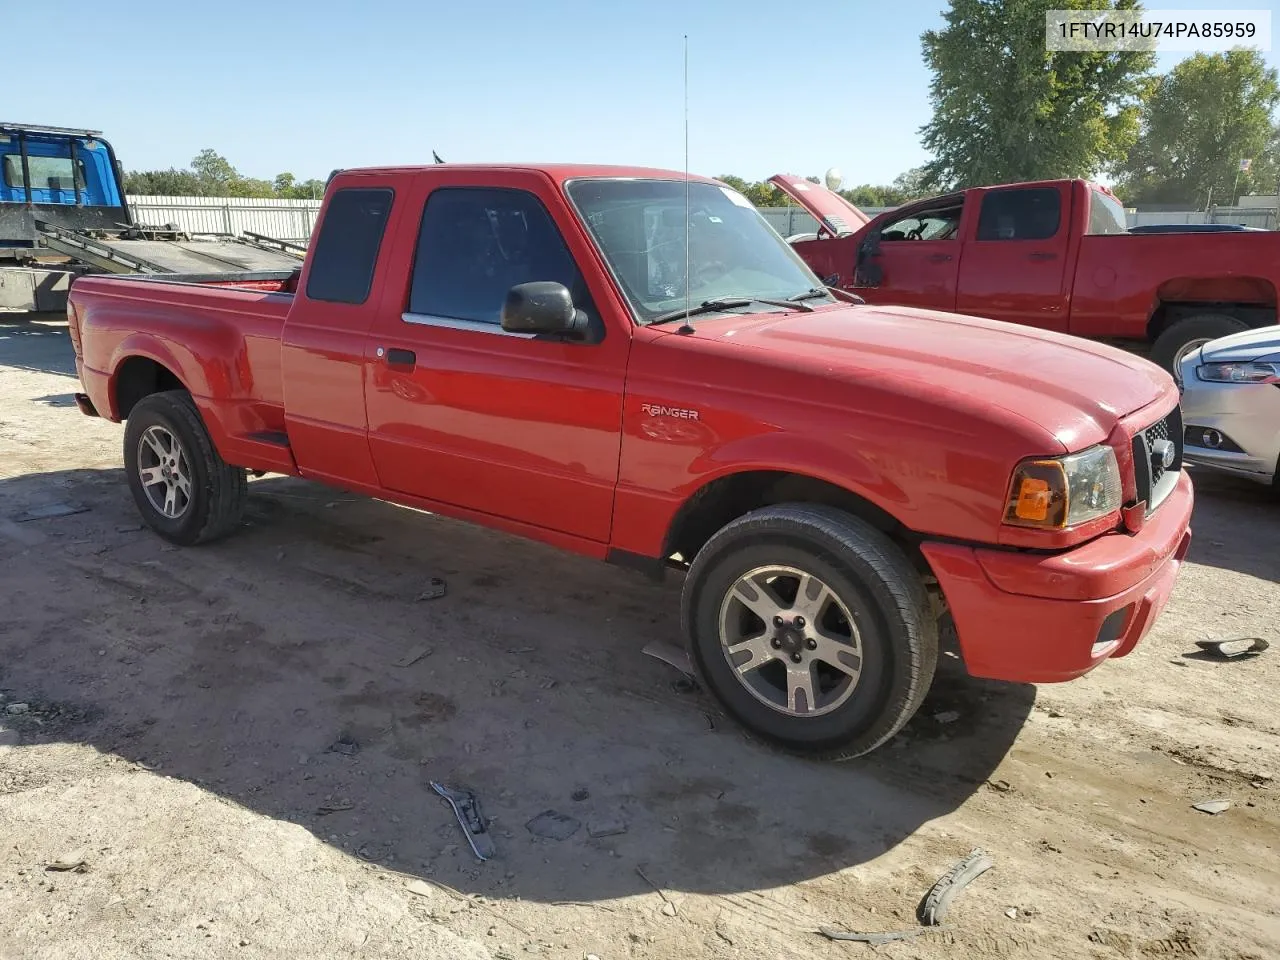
834	213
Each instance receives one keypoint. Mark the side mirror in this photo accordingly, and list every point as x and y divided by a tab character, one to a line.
866	273
544	307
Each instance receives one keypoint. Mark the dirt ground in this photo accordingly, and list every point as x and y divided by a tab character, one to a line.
233	740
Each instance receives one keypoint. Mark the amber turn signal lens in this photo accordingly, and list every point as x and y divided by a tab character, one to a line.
1038	497
1064	491
1033	500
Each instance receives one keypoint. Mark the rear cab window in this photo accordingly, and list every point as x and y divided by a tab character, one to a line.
1020	213
1106	215
58	177
347	245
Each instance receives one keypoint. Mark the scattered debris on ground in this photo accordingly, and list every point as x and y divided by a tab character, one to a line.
551	825
1212	806
937	901
1232	649
466	807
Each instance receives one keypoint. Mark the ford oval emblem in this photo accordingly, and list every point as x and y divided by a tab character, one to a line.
1163	453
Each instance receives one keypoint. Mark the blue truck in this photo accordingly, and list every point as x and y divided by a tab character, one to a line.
63	213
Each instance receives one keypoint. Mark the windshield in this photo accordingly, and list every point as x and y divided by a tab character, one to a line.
639	226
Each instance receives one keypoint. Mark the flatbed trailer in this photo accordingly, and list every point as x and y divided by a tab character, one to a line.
64	213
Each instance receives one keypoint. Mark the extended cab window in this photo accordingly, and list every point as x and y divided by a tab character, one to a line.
1022	213
346	249
476	243
937	223
1106	216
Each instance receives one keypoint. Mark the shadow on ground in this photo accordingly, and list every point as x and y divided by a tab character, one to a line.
251	667
1227	506
31	341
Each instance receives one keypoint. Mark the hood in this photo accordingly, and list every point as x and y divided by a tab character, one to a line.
836	214
1073	390
1241	347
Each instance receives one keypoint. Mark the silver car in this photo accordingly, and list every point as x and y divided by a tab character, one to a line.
1231	404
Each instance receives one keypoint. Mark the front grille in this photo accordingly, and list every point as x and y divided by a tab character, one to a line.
1154	480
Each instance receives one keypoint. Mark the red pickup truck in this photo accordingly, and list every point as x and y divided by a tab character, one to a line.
572	354
1055	255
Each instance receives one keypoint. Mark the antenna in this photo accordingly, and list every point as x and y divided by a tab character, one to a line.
686	327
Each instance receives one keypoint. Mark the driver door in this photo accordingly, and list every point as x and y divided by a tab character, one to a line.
919	260
464	413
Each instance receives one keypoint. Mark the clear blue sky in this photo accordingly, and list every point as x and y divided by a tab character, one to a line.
306	87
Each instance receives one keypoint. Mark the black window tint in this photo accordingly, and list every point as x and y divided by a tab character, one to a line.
1031	213
346	250
475	244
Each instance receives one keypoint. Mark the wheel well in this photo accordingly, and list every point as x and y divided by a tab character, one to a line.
724	500
139	377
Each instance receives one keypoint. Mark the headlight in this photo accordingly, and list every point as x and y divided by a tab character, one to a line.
1064	491
1252	372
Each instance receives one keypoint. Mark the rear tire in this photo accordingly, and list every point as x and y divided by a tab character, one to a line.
801	590
184	490
1189	333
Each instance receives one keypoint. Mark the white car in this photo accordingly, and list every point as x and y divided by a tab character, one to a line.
1231	404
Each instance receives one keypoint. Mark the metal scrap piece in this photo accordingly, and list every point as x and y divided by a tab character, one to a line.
1230	649
669	654
466	807
937	901
875	939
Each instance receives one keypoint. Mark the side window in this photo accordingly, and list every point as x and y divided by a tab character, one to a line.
1026	213
346	249
936	224
476	243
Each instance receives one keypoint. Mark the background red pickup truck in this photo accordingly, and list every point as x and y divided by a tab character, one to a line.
1055	255
639	369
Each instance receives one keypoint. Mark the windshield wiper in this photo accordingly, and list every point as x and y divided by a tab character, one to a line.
720	304
810	294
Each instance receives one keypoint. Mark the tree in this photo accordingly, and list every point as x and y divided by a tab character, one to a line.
760	193
1007	109
162	183
212	175
214	170
1206	115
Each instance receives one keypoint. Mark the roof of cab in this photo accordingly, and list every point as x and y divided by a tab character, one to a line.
559	172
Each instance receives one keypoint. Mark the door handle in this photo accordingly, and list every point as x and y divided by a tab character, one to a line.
401	358
939	257
1042	256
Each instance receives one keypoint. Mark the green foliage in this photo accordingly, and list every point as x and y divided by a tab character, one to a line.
1205	116
761	193
910	185
212	175
1006	109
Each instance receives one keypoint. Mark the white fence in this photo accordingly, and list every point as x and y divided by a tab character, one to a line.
281	219
294	219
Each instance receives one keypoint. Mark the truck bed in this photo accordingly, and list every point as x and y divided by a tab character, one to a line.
237	319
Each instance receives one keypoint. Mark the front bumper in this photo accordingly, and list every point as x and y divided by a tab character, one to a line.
1248	417
1044	618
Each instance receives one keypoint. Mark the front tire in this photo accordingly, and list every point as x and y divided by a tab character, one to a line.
184	490
811	628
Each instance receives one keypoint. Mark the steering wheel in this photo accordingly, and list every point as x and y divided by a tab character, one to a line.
915	232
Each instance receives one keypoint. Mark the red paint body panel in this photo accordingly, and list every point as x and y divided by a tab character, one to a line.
1049	637
1103	286
596	446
